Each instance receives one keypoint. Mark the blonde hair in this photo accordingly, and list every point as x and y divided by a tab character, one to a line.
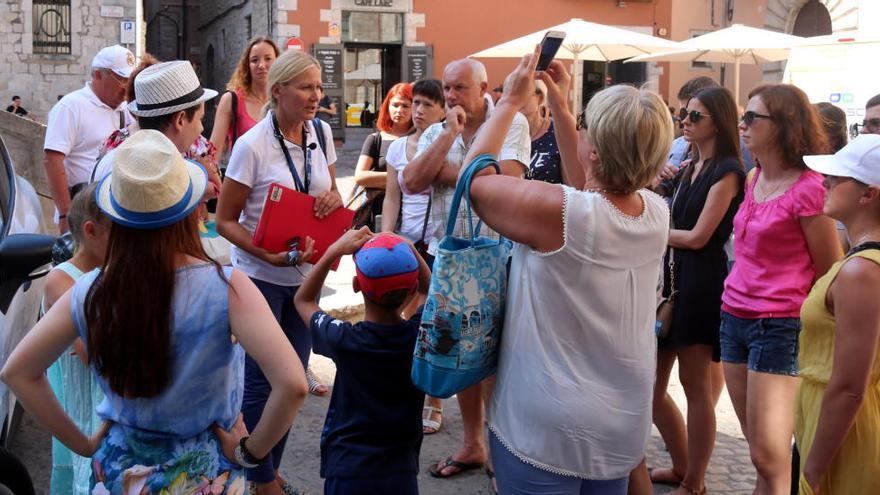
288	66
241	78
84	208
631	131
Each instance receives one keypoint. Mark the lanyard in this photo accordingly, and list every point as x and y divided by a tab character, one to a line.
301	186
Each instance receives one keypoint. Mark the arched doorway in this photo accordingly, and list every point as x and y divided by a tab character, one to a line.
812	20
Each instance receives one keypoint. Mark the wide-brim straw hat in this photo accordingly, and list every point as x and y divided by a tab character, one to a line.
151	185
167	87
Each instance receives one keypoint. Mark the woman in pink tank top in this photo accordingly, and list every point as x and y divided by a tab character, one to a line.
241	106
783	243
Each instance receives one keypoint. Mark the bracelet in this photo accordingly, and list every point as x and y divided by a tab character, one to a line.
244	457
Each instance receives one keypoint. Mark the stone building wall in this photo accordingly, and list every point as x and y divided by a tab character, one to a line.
41	79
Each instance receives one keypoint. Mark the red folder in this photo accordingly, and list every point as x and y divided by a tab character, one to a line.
289	214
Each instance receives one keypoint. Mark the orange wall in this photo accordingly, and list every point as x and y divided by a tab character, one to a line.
308	16
457	28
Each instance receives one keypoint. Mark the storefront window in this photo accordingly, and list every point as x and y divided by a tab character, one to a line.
372	27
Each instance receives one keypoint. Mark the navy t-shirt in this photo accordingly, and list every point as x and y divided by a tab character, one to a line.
374	423
546	164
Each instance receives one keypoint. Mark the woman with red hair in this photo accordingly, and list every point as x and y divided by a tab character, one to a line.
369	174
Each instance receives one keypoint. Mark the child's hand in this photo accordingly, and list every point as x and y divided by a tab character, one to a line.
351	241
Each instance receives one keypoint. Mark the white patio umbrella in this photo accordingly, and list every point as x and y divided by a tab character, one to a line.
584	41
736	44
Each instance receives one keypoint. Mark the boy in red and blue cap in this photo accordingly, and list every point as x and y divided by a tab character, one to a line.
373	430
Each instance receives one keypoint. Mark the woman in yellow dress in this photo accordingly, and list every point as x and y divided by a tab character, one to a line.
838	402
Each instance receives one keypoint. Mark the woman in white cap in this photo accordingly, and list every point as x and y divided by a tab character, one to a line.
837	415
158	322
283	148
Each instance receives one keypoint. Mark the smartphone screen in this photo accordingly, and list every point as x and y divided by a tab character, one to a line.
549	46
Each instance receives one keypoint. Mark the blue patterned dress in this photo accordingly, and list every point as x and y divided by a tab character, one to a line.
164	444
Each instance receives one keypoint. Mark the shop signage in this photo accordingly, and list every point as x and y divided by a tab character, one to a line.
374	3
330	58
295	43
112	11
418	61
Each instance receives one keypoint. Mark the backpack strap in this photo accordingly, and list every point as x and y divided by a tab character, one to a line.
234	122
319	132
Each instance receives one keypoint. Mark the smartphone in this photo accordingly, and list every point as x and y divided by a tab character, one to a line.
549	46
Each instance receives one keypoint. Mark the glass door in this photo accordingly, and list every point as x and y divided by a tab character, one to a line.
362	71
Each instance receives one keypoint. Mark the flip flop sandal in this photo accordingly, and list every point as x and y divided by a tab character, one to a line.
675	479
491	475
428	423
314	384
437	472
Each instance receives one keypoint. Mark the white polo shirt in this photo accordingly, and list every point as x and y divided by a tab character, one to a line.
78	125
256	162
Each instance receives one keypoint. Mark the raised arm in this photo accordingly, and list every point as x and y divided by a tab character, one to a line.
528	212
429	163
558	83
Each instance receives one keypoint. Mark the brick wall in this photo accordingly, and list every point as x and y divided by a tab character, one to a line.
40	79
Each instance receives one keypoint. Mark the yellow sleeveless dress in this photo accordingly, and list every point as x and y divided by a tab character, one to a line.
856	467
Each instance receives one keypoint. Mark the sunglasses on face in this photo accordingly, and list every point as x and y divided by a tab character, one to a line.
694	115
581	121
869	125
749	118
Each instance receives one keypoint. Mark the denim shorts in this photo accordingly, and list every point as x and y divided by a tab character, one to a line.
767	345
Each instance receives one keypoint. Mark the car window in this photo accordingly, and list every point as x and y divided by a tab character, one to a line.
7	178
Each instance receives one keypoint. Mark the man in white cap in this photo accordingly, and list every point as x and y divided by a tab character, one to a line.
170	99
81	121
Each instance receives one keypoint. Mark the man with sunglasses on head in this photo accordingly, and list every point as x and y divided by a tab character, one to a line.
871	124
81	121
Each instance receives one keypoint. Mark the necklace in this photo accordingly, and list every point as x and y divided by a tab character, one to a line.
864	238
539	129
604	190
760	185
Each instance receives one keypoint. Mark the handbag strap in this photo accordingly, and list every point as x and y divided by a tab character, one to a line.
463	187
427	216
671	263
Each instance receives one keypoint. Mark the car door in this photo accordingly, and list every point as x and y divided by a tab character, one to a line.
25	251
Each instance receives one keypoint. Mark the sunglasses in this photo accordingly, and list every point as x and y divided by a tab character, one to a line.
749	117
694	115
869	125
581	121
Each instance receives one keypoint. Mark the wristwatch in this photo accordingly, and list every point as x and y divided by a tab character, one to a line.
245	458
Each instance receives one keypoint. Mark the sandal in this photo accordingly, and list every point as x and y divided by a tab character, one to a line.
314	385
491	475
436	471
429	426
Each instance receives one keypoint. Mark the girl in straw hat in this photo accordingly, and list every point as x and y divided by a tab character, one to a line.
158	321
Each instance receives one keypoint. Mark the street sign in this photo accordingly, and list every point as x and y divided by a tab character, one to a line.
126	32
295	43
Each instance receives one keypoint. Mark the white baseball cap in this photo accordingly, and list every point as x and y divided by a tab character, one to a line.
116	58
859	160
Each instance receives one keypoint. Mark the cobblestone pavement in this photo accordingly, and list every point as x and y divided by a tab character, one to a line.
730	471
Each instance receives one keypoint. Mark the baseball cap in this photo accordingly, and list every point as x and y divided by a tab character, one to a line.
859	160
116	58
384	264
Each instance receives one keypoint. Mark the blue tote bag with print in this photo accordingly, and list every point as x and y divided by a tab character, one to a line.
461	322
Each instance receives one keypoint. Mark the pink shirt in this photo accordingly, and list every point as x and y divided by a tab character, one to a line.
243	119
773	272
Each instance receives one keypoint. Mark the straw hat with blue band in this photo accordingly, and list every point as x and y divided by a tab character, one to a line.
151	185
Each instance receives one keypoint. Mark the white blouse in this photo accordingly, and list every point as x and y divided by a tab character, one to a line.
578	350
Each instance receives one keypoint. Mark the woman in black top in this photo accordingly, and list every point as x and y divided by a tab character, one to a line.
393	122
546	163
707	192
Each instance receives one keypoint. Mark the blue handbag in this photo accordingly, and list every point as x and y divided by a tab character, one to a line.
460	331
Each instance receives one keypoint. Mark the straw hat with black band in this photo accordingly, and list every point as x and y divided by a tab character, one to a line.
167	87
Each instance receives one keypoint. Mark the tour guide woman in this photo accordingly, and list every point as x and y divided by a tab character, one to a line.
571	410
158	321
284	148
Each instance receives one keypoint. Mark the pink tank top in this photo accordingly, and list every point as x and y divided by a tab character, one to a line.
773	271
243	119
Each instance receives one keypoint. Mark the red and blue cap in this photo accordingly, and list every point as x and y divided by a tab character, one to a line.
384	264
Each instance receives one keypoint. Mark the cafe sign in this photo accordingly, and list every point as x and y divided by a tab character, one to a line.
377	5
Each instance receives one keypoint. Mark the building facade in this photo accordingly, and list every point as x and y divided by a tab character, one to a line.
46	46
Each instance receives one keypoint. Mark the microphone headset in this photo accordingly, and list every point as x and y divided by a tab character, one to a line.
312	146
